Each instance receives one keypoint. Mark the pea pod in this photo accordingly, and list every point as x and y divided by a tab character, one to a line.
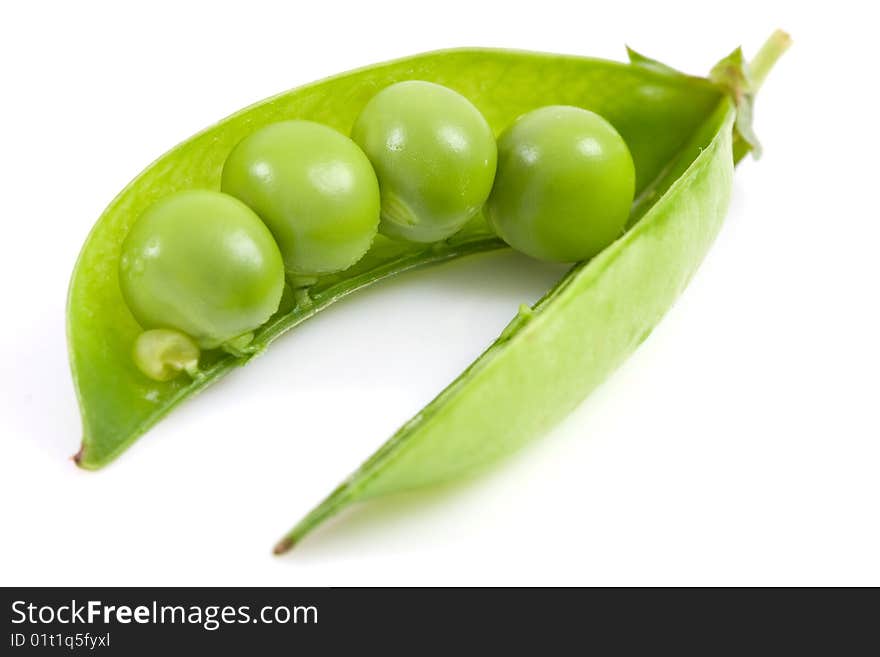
664	116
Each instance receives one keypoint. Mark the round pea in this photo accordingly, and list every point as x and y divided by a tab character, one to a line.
314	188
435	157
204	264
564	186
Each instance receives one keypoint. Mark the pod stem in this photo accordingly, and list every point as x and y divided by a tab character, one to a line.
767	56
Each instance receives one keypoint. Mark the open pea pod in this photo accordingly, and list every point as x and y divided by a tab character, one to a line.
679	130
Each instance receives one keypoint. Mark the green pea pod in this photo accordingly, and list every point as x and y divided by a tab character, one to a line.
553	354
664	116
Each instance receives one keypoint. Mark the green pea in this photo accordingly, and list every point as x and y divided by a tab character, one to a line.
314	188
435	157
564	186
202	263
162	354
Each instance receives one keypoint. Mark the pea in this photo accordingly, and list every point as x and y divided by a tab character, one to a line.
564	186
201	263
162	354
435	157
314	188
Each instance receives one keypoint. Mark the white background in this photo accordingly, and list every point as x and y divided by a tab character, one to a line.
739	445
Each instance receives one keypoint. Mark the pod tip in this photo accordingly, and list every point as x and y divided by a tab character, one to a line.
284	545
84	459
